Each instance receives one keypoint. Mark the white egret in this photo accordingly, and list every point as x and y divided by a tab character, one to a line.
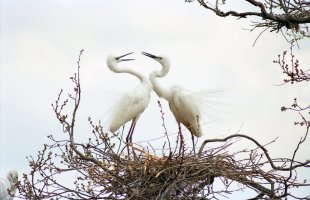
181	101
8	185
133	103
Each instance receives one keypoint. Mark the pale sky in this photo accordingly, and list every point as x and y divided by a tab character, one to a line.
41	40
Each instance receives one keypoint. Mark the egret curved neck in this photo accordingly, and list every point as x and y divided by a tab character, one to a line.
113	67
160	91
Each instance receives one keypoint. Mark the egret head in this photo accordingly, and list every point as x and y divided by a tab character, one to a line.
120	58
163	60
12	176
117	59
160	58
113	60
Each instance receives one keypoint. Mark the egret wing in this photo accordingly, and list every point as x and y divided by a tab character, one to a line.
129	107
4	186
213	104
186	111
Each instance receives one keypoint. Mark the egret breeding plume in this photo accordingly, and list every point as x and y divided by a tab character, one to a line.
181	101
8	185
131	104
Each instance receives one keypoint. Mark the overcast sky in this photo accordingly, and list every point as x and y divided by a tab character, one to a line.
41	40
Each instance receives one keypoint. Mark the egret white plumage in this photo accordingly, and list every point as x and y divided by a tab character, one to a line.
133	103
181	102
8	185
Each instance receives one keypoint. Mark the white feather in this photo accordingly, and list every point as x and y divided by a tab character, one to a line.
213	104
8	184
181	101
131	104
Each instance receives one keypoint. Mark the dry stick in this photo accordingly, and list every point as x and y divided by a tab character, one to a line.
181	140
244	180
77	99
265	153
163	120
177	140
239	135
302	139
120	139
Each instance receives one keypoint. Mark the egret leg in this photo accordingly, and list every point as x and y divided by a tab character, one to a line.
130	139
129	132
128	136
193	141
133	128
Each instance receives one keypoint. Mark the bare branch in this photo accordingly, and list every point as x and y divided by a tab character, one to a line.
291	16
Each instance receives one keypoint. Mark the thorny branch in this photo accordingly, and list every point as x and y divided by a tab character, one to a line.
96	169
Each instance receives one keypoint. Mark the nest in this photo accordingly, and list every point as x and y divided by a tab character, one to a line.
168	177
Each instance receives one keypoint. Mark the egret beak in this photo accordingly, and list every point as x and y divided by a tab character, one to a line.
150	55
125	59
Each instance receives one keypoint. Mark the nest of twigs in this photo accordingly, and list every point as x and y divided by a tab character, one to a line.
175	176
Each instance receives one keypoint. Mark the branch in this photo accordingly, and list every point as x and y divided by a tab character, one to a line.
292	70
276	15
